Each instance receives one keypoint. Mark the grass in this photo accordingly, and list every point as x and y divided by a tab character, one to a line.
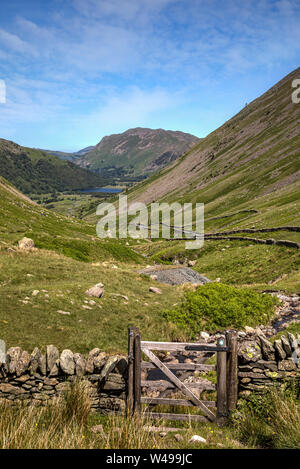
273	422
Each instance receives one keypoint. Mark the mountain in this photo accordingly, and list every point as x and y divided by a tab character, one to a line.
137	151
69	156
35	171
250	162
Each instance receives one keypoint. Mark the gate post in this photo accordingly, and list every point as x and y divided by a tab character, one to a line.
232	371
134	372
221	388
137	372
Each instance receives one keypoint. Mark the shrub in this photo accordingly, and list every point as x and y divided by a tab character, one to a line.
216	306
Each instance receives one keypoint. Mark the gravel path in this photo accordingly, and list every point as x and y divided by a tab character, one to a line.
176	276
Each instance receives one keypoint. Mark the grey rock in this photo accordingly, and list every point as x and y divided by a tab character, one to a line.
96	291
108	368
52	355
279	352
12	357
42	368
55	369
287	365
26	243
293	341
286	346
268	351
90	361
66	362
80	364
34	360
23	363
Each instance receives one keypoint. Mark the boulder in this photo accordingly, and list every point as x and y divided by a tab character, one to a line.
26	243
52	354
96	291
108	368
66	362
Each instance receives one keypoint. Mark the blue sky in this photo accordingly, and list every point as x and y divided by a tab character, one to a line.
76	70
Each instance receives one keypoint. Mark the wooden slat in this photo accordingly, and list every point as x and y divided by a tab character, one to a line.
173	346
182	417
166	401
182	366
180	384
232	372
162	385
206	348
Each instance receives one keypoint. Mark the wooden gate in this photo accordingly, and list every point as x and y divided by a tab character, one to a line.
226	370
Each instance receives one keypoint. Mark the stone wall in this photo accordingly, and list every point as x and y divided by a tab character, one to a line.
40	378
262	364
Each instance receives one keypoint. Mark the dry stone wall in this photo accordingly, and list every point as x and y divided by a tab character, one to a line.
40	378
262	364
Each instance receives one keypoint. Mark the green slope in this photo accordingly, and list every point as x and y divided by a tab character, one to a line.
137	151
34	171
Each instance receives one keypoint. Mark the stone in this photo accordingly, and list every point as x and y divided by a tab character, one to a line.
204	335
65	313
191	263
80	364
287	365
90	361
249	330
178	437
293	341
12	357
99	362
268	351
153	277
42	368
286	346
66	362
26	243
279	352
55	369
197	439
249	352
122	366
35	292
108	368
96	291
155	290
34	360
23	363
52	354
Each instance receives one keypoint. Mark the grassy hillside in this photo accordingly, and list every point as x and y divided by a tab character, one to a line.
34	171
69	259
247	173
137	151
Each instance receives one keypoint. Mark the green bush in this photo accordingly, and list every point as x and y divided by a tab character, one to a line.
216	306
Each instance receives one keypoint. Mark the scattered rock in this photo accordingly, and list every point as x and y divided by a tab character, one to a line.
97	290
26	243
191	263
35	292
178	437
197	439
204	335
155	290
67	313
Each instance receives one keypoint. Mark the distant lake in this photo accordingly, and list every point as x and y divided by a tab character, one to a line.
107	190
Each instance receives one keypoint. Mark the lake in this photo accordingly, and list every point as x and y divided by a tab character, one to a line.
108	190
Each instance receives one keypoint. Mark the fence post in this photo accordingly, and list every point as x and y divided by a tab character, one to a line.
129	406
232	371
221	388
137	372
